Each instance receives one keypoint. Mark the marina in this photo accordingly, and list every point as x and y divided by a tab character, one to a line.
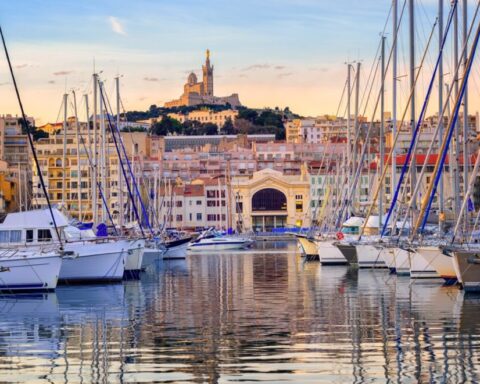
259	315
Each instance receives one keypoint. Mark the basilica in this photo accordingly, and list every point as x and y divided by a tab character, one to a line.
201	92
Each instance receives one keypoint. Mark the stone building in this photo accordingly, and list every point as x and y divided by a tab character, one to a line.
269	199
201	92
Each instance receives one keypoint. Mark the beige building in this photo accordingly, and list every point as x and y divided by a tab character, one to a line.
269	199
201	92
15	152
207	116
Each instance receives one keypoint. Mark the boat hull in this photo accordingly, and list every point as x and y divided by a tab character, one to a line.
150	256
308	247
23	272
402	261
329	254
94	262
369	256
441	262
349	252
467	267
388	256
176	249
211	246
133	262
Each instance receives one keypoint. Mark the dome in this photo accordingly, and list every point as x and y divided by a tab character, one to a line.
192	79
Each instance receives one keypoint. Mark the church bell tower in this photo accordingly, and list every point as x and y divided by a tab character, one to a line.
208	76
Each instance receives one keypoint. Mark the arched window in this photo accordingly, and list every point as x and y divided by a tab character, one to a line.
269	199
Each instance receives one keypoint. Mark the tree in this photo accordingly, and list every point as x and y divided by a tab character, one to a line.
228	128
165	126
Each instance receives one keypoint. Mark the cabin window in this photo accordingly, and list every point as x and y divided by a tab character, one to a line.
29	236
44	235
4	236
16	236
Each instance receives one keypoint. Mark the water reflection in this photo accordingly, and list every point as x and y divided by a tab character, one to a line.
251	316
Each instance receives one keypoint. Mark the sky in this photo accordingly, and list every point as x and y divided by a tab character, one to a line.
271	52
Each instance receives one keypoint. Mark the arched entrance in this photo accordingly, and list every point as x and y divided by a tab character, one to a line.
269	210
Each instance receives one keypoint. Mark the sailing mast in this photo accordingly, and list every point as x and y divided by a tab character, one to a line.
77	134
456	147
120	184
382	134
394	95
356	124
102	151
413	165
441	198
94	146
466	161
64	160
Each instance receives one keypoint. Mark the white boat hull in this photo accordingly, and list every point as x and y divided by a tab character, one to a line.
402	261
329	254
23	271
178	252
369	256
388	256
442	263
94	262
467	267
133	263
420	268
209	246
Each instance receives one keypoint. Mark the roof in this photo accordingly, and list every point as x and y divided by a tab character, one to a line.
39	218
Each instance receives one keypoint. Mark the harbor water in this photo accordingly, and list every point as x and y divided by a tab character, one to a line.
261	315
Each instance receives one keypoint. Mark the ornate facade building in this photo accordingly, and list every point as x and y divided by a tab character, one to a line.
201	92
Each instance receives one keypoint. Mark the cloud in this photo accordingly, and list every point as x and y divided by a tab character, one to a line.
284	74
256	66
279	67
151	79
51	82
116	26
62	73
19	66
242	75
6	83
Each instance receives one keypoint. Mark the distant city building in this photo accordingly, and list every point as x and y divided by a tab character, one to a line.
207	116
201	92
269	199
15	170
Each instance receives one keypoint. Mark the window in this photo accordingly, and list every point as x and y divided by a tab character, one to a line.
199	202
179	218
211	217
16	236
211	203
178	204
29	236
299	206
239	207
4	236
44	235
199	216
190	216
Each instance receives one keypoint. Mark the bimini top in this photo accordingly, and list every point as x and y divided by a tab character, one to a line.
37	218
354	222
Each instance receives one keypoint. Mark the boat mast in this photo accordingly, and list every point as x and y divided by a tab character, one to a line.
102	152
381	138
120	184
456	185
441	198
94	146
349	165
466	158
356	134
413	176
77	134
89	138
394	96
64	161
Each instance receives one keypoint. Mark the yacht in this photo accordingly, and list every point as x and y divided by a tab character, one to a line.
90	258
213	241
176	245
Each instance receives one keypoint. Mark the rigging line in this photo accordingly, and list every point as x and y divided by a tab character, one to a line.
137	215
30	140
341	98
432	188
349	194
144	211
413	141
99	185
